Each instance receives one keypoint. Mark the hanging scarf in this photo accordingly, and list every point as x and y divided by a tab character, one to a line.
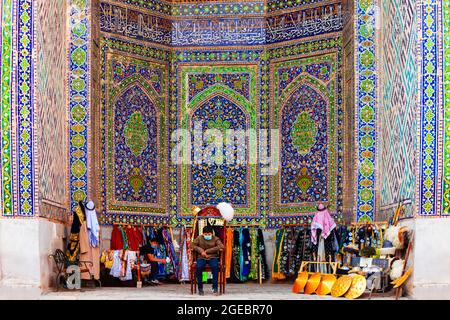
229	252
92	225
322	220
73	247
276	274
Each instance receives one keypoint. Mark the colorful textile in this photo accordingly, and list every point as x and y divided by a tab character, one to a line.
130	259
89	253
73	246
116	269
322	220
133	239
116	239
254	255
107	258
236	262
124	238
173	269
93	226
183	263
279	239
262	255
244	239
288	258
228	252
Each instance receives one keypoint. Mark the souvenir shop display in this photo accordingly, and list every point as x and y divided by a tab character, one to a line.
369	257
321	257
246	255
125	262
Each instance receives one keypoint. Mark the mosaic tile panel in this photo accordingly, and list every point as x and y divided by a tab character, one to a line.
223	105
429	106
79	98
136	73
221	62
305	106
210	89
6	35
398	103
135	114
51	105
446	62
24	73
366	112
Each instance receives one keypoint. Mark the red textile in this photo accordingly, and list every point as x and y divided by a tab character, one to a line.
139	236
116	239
133	240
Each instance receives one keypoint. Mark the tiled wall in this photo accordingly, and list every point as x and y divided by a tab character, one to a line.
398	107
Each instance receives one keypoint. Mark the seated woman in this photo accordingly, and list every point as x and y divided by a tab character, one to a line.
208	247
148	251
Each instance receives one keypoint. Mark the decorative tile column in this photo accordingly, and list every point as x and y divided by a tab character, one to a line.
366	103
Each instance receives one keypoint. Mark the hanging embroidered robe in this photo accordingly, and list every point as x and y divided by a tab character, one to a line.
245	254
73	246
116	239
254	255
229	252
236	261
276	273
262	254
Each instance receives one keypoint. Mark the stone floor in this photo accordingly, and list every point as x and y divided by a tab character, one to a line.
249	291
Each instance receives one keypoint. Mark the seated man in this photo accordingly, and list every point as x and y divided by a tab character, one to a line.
148	251
208	248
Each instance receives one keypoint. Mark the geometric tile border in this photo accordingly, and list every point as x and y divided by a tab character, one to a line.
429	107
366	113
24	73
79	98
446	62
6	34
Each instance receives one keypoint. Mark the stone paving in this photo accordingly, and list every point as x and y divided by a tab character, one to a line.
249	291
